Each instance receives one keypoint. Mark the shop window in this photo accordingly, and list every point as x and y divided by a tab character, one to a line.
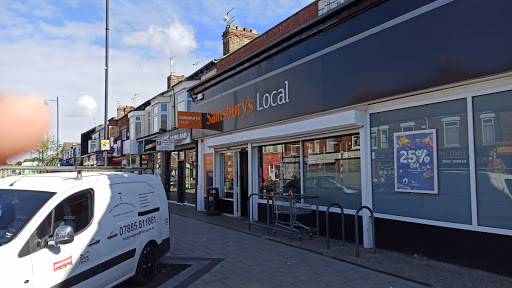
493	159
317	146
190	177
279	171
335	175
384	135
488	133
173	193
451	201
451	131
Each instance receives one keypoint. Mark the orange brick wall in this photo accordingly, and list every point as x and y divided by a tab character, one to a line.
303	16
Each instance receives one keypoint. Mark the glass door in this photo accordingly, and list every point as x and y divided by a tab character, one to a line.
229	191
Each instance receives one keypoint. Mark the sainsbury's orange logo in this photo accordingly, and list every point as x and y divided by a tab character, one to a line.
269	100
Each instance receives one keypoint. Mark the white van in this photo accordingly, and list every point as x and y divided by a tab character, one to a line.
59	231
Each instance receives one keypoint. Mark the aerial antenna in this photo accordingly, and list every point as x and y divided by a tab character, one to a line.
172	63
134	98
227	19
195	64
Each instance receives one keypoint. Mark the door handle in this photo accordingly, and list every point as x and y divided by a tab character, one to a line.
112	235
93	242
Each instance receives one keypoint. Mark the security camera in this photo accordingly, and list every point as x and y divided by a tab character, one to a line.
226	19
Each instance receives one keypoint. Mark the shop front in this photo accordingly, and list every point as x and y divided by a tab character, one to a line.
356	112
179	151
149	157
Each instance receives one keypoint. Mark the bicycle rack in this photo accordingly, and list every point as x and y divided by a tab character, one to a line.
268	196
342	223
357	230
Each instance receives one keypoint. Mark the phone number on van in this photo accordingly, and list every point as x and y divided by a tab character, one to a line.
131	227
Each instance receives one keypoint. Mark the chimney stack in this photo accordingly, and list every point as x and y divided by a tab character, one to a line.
173	80
235	37
123	110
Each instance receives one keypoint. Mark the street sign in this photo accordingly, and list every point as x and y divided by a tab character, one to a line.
165	145
105	145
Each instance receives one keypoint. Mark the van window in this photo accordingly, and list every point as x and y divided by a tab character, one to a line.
76	211
17	207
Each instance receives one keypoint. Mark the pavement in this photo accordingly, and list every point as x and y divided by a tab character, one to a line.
223	252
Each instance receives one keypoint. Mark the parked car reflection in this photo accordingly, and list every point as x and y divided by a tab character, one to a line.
327	188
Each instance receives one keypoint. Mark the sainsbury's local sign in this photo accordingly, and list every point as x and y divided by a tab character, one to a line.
252	105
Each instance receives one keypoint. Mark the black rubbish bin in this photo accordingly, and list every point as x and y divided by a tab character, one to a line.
212	199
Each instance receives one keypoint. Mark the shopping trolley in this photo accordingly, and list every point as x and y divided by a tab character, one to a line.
286	210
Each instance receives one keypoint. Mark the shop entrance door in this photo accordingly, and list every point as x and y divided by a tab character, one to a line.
234	189
240	192
244	185
181	181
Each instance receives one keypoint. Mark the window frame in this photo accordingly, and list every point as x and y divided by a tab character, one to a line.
484	117
384	141
447	120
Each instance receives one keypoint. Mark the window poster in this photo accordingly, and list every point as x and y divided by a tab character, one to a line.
416	161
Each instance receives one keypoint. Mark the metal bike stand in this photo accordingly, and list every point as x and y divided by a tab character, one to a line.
342	223
357	229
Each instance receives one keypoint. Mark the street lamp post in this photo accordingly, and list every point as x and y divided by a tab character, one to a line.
57	149
106	82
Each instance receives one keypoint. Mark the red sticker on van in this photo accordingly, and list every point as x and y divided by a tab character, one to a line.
62	264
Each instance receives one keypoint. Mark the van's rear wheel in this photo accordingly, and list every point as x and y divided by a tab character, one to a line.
146	267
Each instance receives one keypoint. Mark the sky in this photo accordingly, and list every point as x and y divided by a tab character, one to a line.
56	48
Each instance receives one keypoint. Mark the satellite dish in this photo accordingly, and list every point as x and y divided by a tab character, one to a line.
226	18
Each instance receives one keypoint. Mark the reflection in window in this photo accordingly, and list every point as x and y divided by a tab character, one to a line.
227	165
373	138
384	142
279	169
488	134
451	131
190	176
453	202
493	119
334	175
173	195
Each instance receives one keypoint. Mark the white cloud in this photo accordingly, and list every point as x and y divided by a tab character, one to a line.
177	39
86	106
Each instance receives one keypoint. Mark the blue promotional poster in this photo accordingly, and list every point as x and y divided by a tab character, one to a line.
416	161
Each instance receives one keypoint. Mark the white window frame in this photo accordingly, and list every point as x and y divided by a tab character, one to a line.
147	117
166	112
384	141
450	120
178	101
406	126
293	149
329	147
486	117
374	138
317	146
